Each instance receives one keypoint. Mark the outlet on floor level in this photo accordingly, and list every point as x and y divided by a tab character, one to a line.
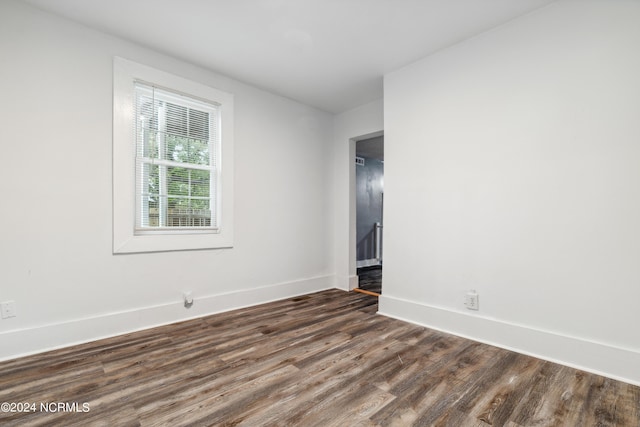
471	300
8	309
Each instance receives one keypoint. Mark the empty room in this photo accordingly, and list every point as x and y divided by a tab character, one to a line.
181	243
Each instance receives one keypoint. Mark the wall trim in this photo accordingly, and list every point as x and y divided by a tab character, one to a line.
39	339
614	362
346	283
354	282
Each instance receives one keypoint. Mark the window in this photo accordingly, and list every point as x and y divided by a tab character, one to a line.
177	140
172	170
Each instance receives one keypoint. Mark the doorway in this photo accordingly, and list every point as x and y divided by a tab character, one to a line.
369	213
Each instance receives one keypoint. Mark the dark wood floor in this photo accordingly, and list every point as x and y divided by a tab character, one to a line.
370	279
319	360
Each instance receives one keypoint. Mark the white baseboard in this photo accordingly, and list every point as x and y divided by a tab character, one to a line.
598	358
23	342
346	283
353	282
367	262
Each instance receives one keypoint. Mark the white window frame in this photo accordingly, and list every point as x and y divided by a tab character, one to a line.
125	237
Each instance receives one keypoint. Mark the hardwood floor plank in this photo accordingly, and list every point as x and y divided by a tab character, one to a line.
508	393
286	401
600	408
219	407
323	359
559	398
628	404
437	388
453	389
327	396
545	383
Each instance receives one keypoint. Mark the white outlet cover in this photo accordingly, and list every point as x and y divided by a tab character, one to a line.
8	309
471	301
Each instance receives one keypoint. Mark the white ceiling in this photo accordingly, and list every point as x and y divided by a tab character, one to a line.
330	54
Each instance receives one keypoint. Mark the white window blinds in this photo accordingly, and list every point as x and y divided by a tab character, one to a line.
177	156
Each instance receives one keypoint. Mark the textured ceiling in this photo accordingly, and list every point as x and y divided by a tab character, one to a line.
330	54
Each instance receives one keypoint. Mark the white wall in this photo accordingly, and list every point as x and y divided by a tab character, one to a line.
56	252
356	124
512	167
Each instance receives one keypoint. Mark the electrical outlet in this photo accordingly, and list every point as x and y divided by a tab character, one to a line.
187	297
471	300
8	309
